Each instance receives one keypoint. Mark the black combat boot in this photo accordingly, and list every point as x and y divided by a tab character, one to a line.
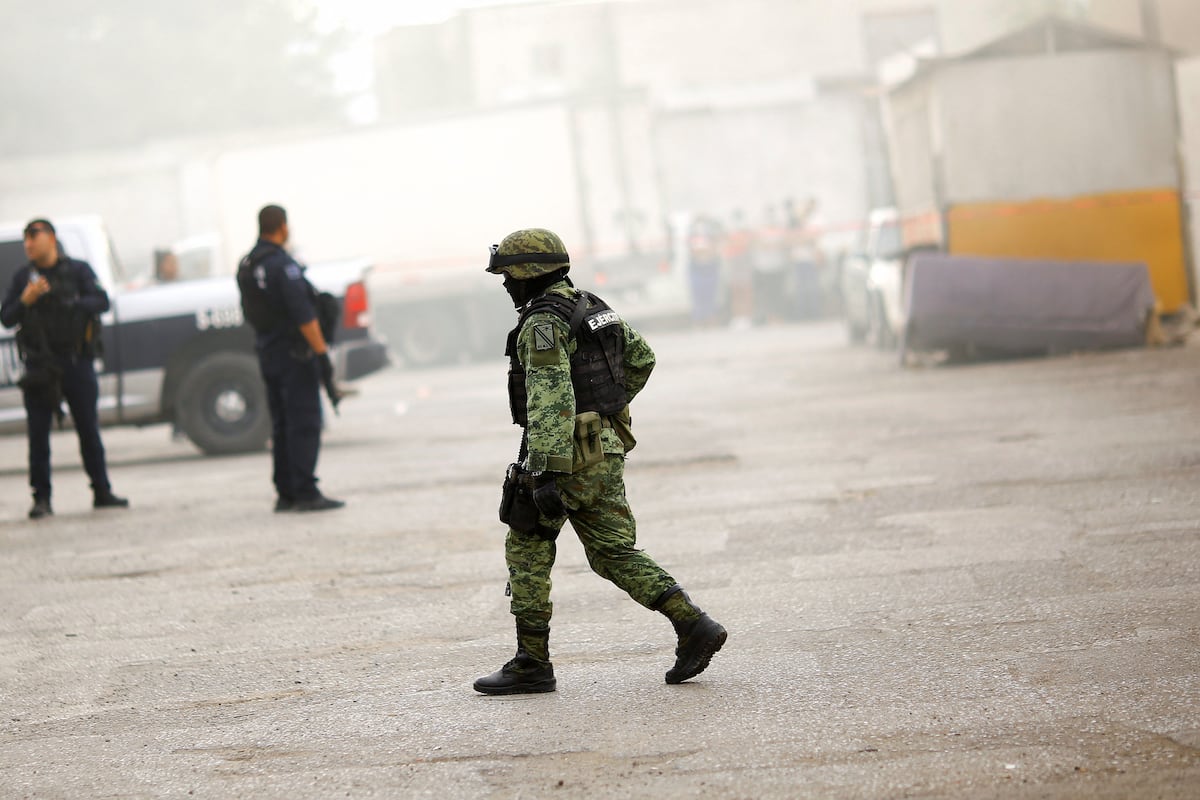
700	636
528	672
106	499
41	508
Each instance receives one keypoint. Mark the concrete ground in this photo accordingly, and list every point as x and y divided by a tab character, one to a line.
956	582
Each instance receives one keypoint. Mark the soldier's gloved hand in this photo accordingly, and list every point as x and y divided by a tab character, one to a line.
546	496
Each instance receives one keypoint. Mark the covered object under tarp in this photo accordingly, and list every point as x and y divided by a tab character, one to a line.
1001	306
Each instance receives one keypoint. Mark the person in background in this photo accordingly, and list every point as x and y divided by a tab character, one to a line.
704	269
278	302
57	302
167	268
806	258
769	262
741	272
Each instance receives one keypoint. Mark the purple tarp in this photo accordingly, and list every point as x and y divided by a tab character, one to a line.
1005	305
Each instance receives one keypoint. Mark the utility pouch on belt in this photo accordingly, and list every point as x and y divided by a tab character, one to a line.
588	448
622	424
517	509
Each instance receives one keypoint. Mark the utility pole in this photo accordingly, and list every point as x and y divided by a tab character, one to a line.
615	108
1151	30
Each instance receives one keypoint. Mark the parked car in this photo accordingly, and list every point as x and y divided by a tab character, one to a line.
872	282
181	352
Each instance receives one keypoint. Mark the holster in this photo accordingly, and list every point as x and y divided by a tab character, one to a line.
42	382
517	509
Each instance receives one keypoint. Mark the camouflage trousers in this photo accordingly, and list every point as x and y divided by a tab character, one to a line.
600	515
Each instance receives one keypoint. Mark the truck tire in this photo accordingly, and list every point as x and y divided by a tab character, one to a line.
222	405
856	332
428	336
877	324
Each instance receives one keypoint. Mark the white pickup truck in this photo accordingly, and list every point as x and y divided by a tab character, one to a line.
180	352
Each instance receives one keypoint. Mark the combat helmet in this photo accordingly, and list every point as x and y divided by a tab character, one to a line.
529	253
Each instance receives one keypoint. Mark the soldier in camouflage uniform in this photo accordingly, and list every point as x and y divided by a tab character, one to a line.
574	367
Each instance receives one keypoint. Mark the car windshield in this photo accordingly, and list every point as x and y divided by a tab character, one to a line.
12	258
114	263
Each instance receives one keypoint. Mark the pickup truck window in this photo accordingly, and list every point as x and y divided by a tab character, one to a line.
114	265
12	258
73	245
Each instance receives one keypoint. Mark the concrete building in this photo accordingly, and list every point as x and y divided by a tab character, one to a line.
963	25
679	105
750	102
1172	23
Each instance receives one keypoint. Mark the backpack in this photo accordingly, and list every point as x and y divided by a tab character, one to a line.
329	312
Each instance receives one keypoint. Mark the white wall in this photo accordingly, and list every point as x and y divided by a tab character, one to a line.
747	158
661	45
909	130
435	193
136	191
1178	20
439	191
672	42
619	177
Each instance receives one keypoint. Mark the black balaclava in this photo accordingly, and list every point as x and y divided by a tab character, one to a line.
522	292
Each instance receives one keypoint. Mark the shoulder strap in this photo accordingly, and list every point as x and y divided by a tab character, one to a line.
556	304
581	308
570	311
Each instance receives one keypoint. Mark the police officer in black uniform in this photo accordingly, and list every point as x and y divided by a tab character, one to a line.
57	302
279	303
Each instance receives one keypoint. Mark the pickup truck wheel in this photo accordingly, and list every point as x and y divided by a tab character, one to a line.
856	331
428	337
876	322
222	405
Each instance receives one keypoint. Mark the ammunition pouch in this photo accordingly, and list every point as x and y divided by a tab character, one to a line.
622	424
588	446
588	449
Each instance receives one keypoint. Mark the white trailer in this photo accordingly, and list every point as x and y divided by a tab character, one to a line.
425	199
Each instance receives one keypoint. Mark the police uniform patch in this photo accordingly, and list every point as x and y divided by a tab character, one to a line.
543	336
293	272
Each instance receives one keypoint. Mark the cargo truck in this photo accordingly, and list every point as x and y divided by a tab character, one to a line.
423	200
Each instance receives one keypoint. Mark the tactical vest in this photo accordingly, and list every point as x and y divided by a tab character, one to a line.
597	366
56	324
257	308
265	317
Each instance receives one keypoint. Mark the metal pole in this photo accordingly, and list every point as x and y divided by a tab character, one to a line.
614	108
1151	29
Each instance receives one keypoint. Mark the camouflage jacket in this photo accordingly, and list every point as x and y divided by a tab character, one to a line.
551	398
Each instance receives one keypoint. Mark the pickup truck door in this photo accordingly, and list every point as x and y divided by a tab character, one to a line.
12	408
